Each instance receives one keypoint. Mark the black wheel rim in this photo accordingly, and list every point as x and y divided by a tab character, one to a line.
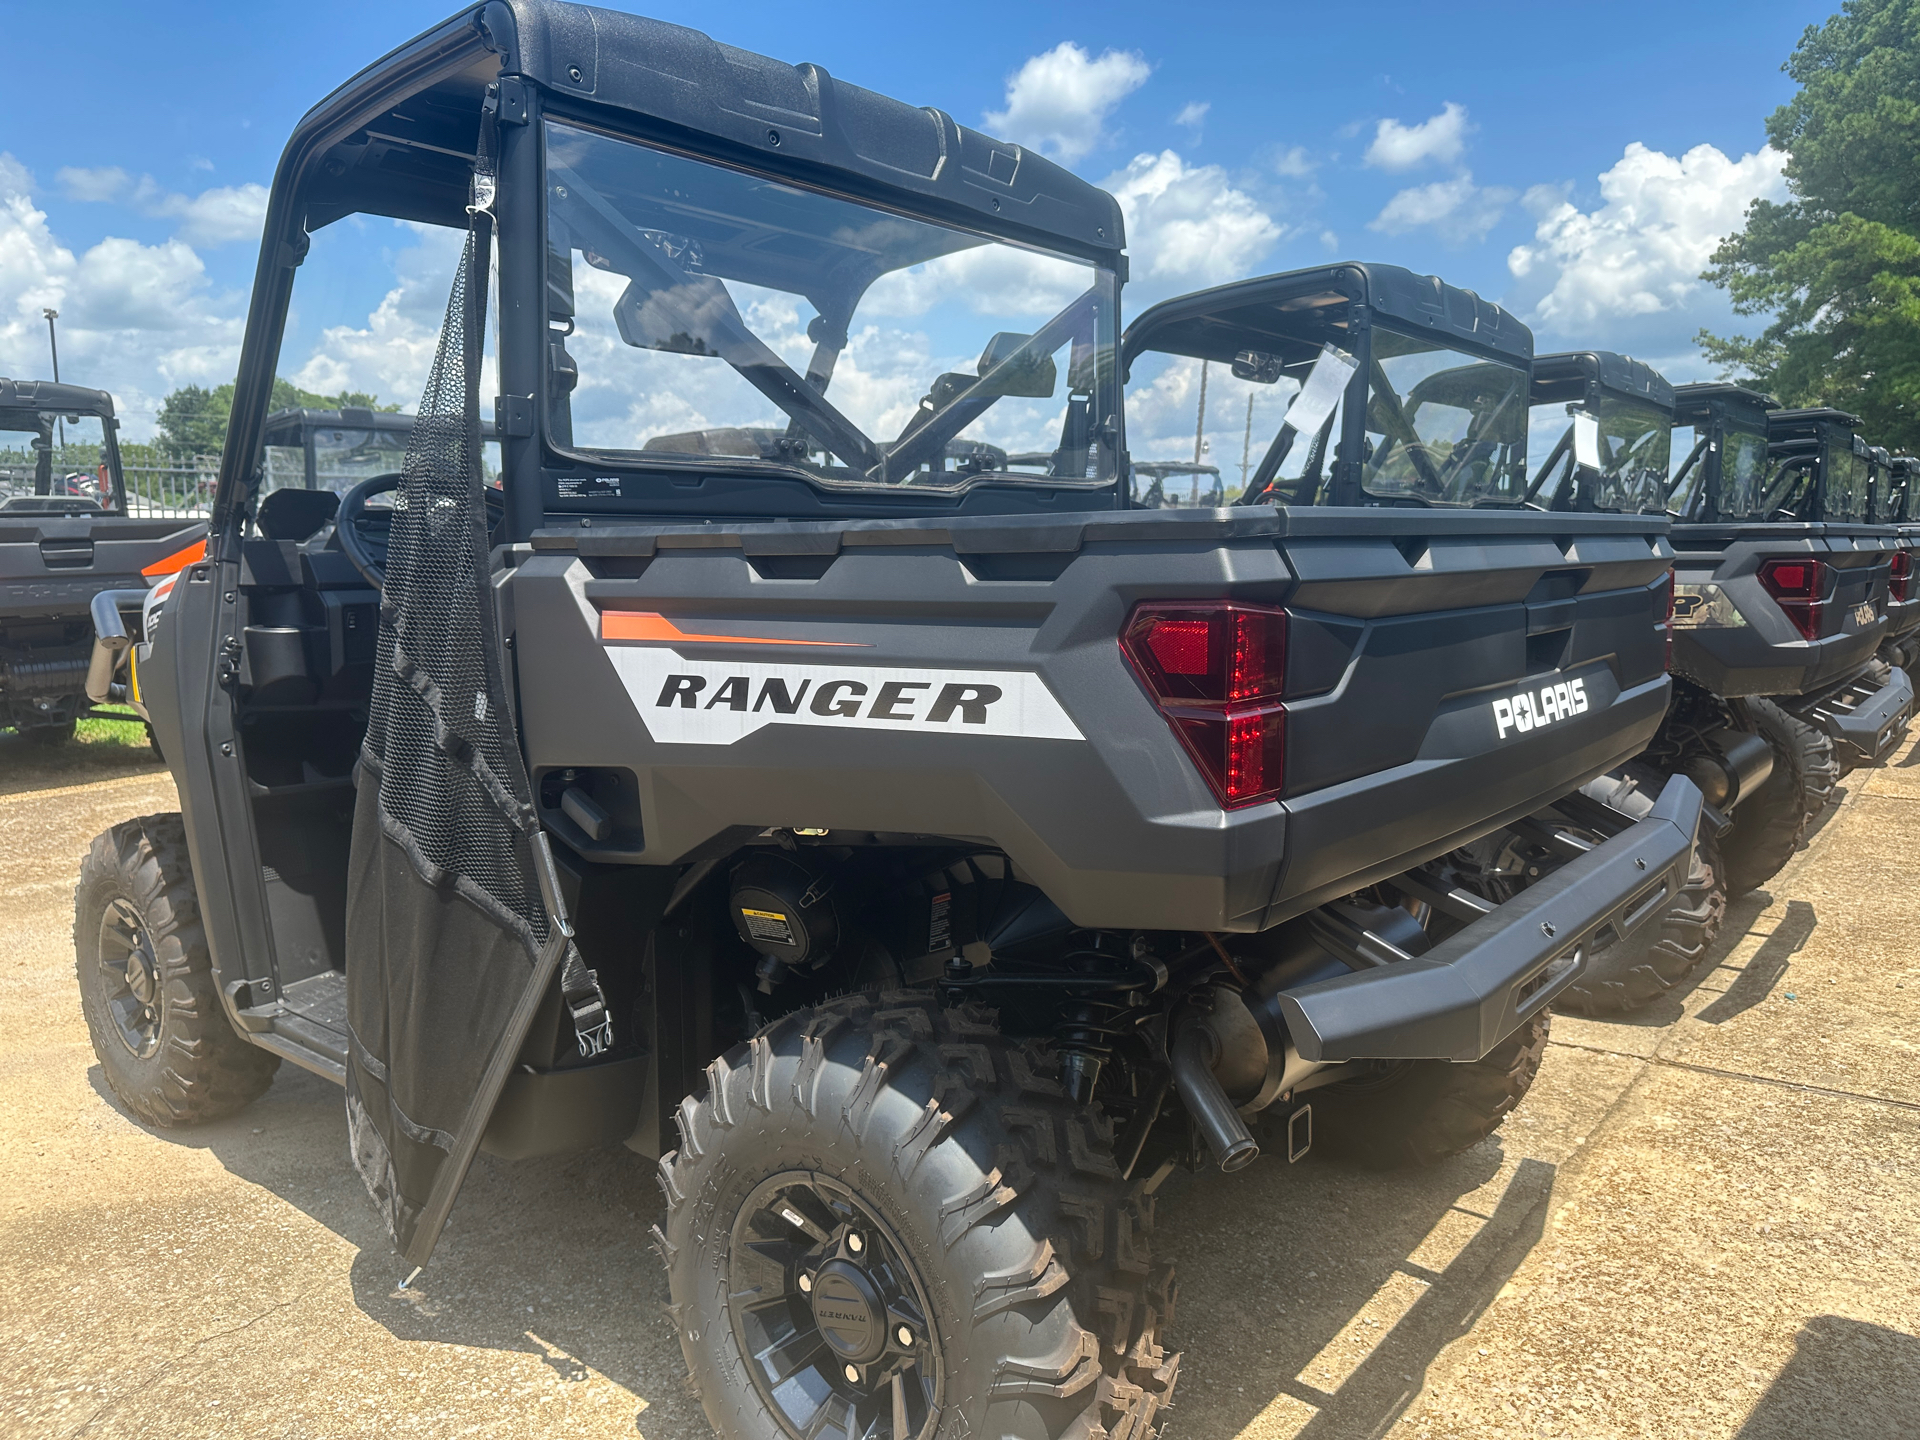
831	1315
132	974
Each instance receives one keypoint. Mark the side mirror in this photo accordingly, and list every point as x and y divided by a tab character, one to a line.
1256	366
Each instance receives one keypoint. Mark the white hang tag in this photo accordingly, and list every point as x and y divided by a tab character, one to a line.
1586	441
1324	387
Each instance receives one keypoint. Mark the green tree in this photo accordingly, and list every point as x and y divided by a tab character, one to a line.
1838	263
193	419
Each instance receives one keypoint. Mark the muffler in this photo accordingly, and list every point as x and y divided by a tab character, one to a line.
1194	1055
1232	1057
1739	764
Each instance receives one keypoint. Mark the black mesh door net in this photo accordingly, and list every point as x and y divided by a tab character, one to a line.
454	927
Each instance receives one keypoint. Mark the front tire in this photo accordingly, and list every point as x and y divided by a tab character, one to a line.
147	986
1625	976
1419	1112
887	1219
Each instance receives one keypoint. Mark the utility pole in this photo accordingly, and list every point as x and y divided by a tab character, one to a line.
53	344
1199	432
1246	446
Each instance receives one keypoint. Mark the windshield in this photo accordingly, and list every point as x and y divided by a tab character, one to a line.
1624	445
54	461
1743	467
343	456
1444	427
700	313
1171	485
1846	488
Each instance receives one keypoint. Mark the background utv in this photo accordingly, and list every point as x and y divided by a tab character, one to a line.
915	846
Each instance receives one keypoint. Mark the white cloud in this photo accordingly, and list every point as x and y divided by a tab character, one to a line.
1457	210
1058	102
1187	226
1295	163
103	184
1440	137
213	217
136	320
1193	114
1638	254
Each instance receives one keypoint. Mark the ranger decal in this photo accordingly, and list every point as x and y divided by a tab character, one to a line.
1536	709
716	702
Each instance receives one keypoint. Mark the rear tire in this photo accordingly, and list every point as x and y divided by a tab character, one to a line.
1420	1112
1625	976
146	982
914	1167
1767	826
1819	766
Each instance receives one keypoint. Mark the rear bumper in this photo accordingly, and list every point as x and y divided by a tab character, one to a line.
1866	720
1469	993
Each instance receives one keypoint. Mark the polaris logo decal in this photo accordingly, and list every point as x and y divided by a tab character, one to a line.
1537	709
703	702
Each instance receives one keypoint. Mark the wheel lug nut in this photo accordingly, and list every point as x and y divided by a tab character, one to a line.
904	1335
855	1243
853	1373
806	1284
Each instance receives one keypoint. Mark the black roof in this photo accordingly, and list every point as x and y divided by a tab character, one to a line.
1217	324
1691	401
673	82
1791	429
50	396
1569	374
291	422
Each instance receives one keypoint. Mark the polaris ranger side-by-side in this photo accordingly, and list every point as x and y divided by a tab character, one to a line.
65	537
1893	507
1780	602
921	859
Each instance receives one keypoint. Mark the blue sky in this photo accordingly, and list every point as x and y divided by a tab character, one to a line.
1573	162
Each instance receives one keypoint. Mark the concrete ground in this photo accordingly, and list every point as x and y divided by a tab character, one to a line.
1703	1222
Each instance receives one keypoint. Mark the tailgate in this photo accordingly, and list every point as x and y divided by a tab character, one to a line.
56	564
965	679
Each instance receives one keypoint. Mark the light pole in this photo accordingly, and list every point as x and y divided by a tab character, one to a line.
53	344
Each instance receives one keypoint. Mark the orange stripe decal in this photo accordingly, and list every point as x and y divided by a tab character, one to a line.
179	560
645	625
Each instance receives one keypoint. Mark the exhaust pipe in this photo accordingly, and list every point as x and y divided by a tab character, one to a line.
1227	1135
1741	763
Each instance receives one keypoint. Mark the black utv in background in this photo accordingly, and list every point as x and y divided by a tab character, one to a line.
1780	603
1894	508
921	859
65	538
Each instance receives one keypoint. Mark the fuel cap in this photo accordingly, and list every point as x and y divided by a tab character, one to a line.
849	1312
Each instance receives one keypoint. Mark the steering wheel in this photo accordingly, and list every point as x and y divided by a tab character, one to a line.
364	543
355	541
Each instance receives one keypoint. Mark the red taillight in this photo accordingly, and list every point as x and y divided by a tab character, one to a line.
1217	670
1797	587
1900	577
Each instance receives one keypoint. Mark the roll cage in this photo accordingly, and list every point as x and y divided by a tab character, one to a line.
398	140
37	407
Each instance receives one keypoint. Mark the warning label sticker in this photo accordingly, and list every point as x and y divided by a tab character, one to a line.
767	925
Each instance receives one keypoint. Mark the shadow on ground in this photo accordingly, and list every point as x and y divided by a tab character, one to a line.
27	766
1314	1298
1847	1380
1277	1265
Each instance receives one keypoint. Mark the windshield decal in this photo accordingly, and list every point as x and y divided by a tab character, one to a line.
1325	385
1586	440
702	702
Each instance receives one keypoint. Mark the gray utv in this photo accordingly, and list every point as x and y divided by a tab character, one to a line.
920	855
1782	598
66	538
1895	506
